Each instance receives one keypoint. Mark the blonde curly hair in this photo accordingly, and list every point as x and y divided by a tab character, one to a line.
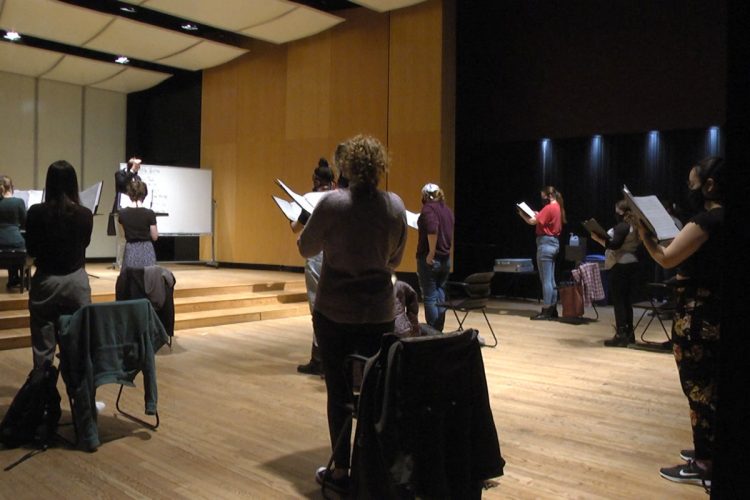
364	161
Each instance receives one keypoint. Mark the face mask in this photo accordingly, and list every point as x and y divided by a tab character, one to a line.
696	199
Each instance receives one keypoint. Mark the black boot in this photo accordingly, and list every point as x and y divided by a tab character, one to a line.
619	340
630	334
545	314
553	311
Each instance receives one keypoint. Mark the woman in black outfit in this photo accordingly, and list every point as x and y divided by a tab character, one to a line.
57	234
622	263
139	225
697	251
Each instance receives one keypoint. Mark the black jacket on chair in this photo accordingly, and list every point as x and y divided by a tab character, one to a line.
425	427
154	283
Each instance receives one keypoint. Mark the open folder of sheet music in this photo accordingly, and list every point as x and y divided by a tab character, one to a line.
653	214
307	203
526	209
593	227
89	197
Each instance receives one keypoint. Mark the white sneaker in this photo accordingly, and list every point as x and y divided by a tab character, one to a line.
100	406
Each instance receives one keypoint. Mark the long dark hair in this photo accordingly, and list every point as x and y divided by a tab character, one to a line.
61	187
551	192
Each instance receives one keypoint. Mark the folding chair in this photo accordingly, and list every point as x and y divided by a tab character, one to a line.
424	424
108	343
471	294
655	310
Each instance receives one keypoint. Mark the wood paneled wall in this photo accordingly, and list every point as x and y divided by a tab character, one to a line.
272	113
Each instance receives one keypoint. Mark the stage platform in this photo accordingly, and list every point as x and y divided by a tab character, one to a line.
204	296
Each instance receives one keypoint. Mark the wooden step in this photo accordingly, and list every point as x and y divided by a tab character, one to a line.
195	307
281	286
15	338
236	300
217	317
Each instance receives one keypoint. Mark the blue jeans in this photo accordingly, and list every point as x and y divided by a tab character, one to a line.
547	248
432	280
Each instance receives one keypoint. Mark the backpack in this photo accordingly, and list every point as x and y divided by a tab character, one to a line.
35	411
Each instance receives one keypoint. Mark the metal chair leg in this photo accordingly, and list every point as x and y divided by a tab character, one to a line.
491	330
149	425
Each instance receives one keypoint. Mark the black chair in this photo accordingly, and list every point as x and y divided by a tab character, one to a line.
16	259
653	309
471	294
424	424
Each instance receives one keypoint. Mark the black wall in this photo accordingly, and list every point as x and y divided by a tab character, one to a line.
164	128
533	69
556	68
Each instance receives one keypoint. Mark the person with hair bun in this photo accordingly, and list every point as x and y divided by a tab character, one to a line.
696	329
622	262
548	222
139	226
362	234
323	180
57	234
12	219
435	225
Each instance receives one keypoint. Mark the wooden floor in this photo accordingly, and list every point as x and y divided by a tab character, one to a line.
575	420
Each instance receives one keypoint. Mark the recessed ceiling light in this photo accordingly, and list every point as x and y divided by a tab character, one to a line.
189	27
122	60
12	36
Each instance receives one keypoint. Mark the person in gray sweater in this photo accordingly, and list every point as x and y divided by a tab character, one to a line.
362	234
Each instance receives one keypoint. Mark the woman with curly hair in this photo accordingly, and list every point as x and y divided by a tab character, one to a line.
362	233
697	250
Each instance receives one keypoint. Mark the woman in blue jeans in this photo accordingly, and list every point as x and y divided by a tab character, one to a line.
548	222
435	226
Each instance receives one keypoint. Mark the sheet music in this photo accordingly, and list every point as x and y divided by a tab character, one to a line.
526	209
300	200
91	196
593	227
650	210
411	219
29	196
290	210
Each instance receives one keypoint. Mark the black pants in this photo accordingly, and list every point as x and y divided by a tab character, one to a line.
336	342
623	283
695	343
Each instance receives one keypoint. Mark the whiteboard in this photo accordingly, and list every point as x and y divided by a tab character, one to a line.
183	193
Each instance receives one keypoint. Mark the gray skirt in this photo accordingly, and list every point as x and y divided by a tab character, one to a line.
139	254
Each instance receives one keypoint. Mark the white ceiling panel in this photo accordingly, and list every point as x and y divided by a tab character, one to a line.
299	23
140	41
234	15
203	55
26	61
386	5
82	71
52	20
132	80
